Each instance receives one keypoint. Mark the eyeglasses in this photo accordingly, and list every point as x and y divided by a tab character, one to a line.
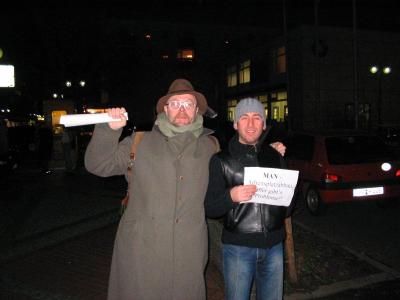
175	105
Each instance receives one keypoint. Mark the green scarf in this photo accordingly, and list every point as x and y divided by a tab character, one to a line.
170	130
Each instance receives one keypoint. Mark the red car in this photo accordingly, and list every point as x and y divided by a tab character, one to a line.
340	167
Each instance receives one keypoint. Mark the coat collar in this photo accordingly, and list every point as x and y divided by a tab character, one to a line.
238	149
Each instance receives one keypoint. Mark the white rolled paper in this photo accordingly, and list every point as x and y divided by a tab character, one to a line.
87	119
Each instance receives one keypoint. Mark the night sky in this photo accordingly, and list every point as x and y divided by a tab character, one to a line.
51	43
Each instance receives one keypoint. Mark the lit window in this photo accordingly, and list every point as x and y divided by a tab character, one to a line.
282	96
244	73
279	105
232	76
280	60
264	100
185	54
275	113
231	110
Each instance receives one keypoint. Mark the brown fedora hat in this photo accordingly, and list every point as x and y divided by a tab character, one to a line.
179	87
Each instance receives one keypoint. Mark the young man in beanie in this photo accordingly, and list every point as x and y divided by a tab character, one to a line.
161	245
253	233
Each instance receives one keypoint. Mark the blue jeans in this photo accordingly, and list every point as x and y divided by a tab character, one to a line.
242	265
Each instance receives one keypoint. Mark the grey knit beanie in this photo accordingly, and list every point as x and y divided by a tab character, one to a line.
247	105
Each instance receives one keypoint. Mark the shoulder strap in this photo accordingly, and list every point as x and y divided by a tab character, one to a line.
135	143
215	142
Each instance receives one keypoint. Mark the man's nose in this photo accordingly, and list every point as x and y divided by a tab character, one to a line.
181	107
250	123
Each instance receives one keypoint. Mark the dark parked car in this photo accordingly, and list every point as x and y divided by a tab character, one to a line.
340	167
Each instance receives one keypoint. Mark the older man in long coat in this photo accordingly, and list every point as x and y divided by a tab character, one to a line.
160	250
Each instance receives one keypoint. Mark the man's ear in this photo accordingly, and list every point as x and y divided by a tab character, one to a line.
235	126
165	110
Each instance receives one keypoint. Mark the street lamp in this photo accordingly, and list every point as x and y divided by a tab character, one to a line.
57	96
380	72
81	83
75	90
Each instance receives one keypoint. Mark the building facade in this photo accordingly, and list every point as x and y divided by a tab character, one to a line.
320	78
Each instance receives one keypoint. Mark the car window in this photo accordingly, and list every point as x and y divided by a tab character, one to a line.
300	146
356	149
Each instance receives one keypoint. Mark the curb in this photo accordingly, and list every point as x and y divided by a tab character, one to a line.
380	266
387	274
341	286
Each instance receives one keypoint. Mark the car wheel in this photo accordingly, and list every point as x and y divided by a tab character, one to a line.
314	203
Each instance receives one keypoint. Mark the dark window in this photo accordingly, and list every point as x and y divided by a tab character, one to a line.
356	149
300	146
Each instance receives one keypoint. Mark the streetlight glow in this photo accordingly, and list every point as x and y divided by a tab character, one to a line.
387	70
68	83
373	69
379	74
82	83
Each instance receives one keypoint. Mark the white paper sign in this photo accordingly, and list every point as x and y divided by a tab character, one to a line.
87	119
274	186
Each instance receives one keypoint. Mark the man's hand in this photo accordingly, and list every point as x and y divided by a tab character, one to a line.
241	193
117	113
278	146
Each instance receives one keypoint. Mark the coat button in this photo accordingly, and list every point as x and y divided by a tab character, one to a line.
177	220
181	177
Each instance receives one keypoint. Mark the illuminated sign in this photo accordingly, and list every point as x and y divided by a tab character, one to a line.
7	77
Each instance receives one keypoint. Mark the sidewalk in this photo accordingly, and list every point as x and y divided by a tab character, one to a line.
78	268
62	234
75	269
41	210
57	233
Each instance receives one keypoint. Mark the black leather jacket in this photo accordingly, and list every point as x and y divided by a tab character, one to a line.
251	217
247	224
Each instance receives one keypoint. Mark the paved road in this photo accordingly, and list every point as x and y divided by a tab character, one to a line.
36	208
364	227
76	269
43	210
57	233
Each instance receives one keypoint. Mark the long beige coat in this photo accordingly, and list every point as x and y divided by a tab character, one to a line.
161	246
